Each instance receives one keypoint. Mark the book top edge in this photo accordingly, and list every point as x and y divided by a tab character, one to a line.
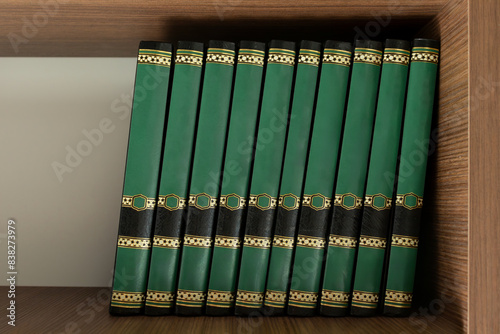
310	45
190	45
346	46
153	45
253	45
222	45
398	44
279	44
426	43
368	44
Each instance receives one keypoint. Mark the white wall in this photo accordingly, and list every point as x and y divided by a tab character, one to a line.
66	227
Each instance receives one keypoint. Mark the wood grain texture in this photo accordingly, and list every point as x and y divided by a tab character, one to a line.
484	131
85	310
97	28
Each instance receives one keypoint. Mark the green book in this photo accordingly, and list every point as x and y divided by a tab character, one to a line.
292	178
352	170
205	176
319	180
410	188
236	177
380	182
142	171
266	173
173	191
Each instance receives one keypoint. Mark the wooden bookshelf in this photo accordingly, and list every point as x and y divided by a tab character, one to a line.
458	268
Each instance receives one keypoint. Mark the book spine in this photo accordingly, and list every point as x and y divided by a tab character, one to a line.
410	188
266	174
351	178
380	182
141	178
236	176
204	187
320	178
173	191
292	177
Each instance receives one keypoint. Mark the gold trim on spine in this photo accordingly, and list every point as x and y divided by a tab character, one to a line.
274	297
256	242
154	59
227	242
194	201
255	199
163	202
283	242
342	241
398	298
282	200
161	297
242	202
370	201
221	297
125	297
309	59
251	59
249	298
367	58
197	241
308	200
134	242
281	58
189	59
303	298
401	201
340	201
372	242
166	242
396	58
220	58
337	297
425	57
196	298
404	241
365	299
310	242
129	202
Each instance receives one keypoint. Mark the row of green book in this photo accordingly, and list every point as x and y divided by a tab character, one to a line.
261	181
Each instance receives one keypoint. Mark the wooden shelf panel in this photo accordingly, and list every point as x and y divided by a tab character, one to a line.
96	28
68	310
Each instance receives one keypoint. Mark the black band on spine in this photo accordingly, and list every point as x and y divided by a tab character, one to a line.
189	45
278	44
221	45
253	45
398	44
155	45
136	223
346	46
310	45
425	43
368	44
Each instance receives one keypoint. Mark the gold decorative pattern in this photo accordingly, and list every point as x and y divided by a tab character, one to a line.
242	202
426	57
130	202
227	242
372	242
254	200
187	59
282	200
303	298
277	57
220	296
252	59
197	241
365	299
367	57
166	297
283	242
399	299
311	242
127	297
396	58
220	58
256	242
404	241
163	202
195	198
134	242
249	298
370	201
188	296
145	57
338	59
308	200
309	59
342	241
340	200
401	201
275	298
338	298
166	242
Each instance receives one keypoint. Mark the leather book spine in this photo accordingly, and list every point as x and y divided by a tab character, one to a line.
236	176
205	178
142	171
174	179
315	211
266	174
410	188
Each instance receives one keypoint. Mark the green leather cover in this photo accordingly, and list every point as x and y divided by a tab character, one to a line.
173	191
140	186
292	178
380	181
236	177
351	178
204	187
266	177
411	177
320	178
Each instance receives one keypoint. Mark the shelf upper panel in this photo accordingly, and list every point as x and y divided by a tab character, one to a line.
114	28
